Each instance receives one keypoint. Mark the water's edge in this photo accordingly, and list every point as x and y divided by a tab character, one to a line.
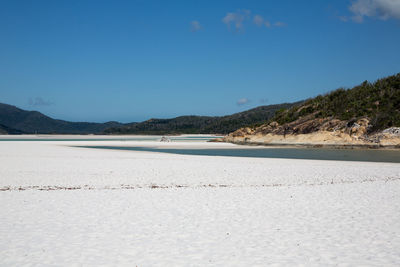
390	156
309	145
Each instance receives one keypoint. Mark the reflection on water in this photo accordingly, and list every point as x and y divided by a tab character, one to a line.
288	153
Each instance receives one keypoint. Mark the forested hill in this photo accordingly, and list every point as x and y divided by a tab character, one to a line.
16	121
378	101
377	104
202	124
368	108
7	130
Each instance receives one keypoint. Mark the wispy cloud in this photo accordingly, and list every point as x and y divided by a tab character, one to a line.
195	26
264	100
38	101
242	101
279	24
236	19
381	9
258	20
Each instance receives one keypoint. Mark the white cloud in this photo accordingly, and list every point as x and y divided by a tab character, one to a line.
236	18
195	26
242	101
258	20
382	9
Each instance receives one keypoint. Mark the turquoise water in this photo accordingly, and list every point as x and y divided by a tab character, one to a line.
287	153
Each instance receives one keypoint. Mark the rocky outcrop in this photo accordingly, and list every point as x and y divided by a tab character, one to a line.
392	131
311	131
363	116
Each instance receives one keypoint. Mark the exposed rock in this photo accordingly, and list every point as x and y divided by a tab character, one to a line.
274	124
358	116
317	131
392	130
359	129
242	132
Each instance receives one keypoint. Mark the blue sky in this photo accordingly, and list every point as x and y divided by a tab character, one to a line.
135	60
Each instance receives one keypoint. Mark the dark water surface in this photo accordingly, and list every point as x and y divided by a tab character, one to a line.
369	155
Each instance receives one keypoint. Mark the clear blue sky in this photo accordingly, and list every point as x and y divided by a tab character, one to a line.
135	60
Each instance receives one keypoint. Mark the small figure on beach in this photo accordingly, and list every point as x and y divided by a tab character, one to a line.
165	139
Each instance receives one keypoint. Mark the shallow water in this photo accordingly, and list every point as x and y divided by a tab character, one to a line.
288	153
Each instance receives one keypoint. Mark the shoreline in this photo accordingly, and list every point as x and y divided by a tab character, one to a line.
319	139
314	145
85	206
21	136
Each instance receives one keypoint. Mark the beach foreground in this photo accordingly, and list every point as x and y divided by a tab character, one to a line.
65	205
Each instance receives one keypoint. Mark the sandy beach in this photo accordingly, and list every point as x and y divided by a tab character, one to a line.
200	133
68	205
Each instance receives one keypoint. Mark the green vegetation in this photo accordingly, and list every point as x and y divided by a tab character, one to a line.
7	130
378	101
201	124
17	121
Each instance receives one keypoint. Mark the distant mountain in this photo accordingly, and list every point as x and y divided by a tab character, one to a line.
16	121
202	124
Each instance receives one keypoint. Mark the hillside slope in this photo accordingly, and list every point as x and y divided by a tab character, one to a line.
367	114
35	122
7	130
17	121
201	124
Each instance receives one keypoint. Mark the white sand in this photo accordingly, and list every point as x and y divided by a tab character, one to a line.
230	211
